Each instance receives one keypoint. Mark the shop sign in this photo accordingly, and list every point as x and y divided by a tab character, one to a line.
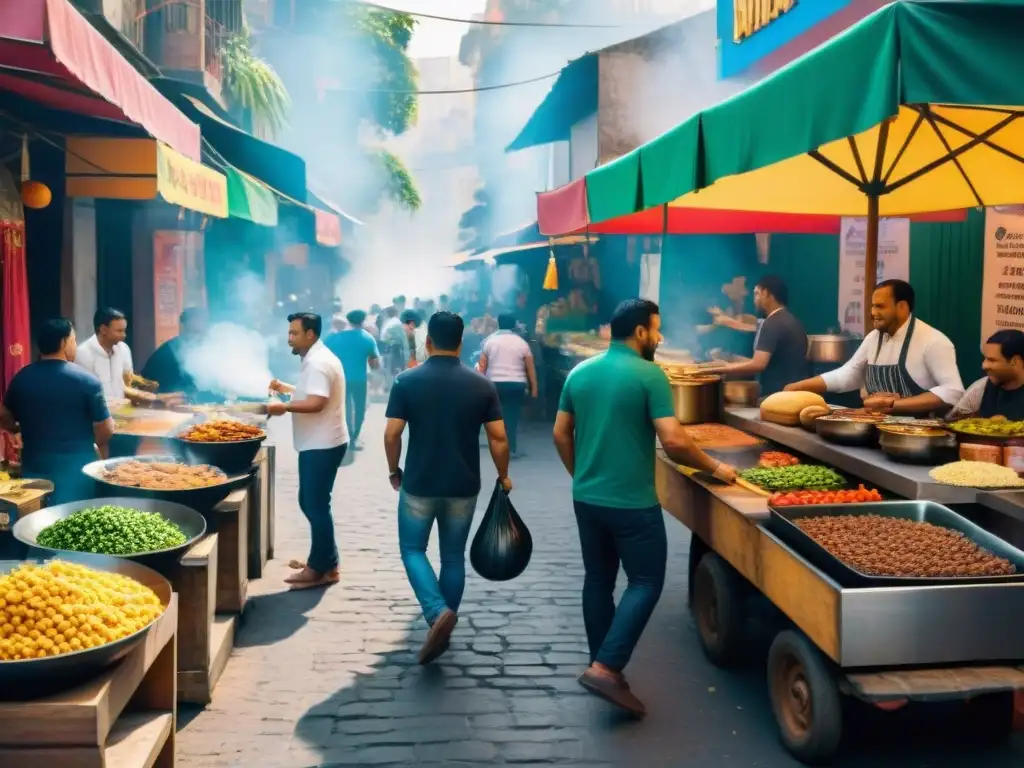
750	16
328	228
893	263
192	185
1002	287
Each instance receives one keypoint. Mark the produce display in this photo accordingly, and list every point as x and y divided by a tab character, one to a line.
111	530
785	407
60	607
720	437
976	474
812	477
997	426
802	498
222	431
163	476
886	546
777	459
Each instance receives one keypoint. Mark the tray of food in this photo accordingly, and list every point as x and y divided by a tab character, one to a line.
861	495
976	474
224	443
199	486
896	543
777	459
995	428
797	477
721	437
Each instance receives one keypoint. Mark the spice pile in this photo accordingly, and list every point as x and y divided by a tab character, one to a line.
976	474
802	498
720	437
886	546
63	607
163	476
110	530
812	477
222	431
777	459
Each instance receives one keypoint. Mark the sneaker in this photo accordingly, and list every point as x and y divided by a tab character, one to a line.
613	689
439	636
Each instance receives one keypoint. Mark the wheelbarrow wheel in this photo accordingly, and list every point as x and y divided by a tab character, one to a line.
718	602
805	698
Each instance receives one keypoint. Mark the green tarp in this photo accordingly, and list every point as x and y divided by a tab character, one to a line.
250	200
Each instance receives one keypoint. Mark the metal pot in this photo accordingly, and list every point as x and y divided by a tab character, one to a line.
741	392
846	432
698	400
918	449
828	348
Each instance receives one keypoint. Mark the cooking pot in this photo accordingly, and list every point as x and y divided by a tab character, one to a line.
932	447
828	348
697	399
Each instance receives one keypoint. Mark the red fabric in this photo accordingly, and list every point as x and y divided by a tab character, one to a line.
564	210
83	72
16	351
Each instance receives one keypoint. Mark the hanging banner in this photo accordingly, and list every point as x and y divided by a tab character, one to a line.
893	264
1002	287
168	283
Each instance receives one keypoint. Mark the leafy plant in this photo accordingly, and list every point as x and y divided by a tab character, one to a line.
253	85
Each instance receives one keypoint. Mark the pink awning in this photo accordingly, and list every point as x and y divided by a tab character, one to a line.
51	54
563	211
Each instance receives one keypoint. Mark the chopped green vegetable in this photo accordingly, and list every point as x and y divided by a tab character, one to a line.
110	530
809	477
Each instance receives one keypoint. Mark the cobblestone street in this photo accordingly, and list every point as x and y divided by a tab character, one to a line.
329	678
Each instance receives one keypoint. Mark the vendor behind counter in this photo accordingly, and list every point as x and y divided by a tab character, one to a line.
166	365
1000	392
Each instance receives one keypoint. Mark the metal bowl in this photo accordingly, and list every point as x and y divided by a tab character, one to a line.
845	431
232	457
32	678
917	449
191	523
200	499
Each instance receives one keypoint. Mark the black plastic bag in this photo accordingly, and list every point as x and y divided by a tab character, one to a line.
502	546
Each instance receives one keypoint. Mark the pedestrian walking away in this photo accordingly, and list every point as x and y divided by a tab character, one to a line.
506	360
612	408
320	435
356	349
444	404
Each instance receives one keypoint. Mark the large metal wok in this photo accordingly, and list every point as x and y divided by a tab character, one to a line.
191	523
32	678
200	499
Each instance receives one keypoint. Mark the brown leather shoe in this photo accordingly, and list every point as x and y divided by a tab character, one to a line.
612	688
438	637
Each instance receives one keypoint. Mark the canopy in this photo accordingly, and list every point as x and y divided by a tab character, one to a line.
49	53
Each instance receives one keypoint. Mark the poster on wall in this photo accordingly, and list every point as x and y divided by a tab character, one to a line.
650	276
893	263
168	283
1002	287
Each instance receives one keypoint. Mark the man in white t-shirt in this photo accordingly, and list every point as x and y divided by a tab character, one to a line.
320	435
106	356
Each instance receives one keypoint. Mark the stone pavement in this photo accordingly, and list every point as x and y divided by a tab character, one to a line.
329	678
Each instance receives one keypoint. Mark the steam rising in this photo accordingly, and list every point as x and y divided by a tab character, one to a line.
232	360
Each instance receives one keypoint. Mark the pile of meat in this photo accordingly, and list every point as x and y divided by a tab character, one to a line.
163	476
710	437
222	431
885	546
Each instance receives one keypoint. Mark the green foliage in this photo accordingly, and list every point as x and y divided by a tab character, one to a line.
396	182
253	85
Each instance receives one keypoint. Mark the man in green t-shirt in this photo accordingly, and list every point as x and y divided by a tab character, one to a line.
613	407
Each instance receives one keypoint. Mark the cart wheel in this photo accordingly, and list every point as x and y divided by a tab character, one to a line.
805	698
718	596
990	717
697	550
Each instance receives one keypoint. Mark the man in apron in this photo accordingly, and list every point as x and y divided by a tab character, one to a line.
905	366
1000	392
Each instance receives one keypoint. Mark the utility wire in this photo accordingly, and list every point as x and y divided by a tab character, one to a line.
477	89
483	22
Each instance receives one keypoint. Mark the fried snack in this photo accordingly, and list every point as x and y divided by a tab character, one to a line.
720	436
222	431
886	546
163	476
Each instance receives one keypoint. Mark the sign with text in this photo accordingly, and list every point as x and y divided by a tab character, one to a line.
168	283
893	263
1002	287
191	185
750	16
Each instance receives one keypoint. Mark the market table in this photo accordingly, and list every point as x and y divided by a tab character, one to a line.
878	644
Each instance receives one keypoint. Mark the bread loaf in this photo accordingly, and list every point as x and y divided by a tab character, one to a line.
812	413
785	407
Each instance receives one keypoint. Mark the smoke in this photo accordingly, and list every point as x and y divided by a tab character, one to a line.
230	359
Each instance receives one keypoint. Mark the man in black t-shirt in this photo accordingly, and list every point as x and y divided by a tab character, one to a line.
444	404
780	342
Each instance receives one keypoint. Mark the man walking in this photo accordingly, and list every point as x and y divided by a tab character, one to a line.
356	349
506	359
612	408
444	403
321	437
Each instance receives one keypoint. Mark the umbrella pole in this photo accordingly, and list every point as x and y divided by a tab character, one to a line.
870	261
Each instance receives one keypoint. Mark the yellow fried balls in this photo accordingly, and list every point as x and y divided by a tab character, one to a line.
60	607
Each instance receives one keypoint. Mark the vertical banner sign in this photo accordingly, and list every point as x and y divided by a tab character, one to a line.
168	283
1002	287
650	276
893	263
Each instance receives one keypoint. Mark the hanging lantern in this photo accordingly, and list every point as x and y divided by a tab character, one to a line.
551	275
34	194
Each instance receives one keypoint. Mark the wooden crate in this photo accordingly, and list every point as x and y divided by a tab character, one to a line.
230	520
31	497
259	523
271	452
124	718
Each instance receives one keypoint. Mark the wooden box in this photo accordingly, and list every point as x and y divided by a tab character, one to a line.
230	520
259	523
125	717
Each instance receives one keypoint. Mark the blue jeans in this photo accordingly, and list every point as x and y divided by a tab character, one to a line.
636	538
317	470
416	515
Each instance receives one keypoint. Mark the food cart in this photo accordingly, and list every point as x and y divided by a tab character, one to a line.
883	645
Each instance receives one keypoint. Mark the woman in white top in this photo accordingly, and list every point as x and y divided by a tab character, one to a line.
507	361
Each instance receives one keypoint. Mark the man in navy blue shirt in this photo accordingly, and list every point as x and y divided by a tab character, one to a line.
444	404
62	414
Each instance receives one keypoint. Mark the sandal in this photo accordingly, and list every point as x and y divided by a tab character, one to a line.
310	579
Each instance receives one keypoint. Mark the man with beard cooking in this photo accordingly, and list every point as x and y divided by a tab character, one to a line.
1000	392
905	366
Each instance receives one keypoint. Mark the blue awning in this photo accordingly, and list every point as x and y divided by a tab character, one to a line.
572	98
